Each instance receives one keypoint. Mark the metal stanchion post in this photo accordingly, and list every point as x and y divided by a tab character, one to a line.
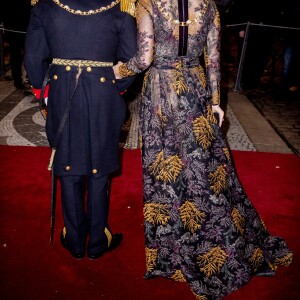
2	63
237	86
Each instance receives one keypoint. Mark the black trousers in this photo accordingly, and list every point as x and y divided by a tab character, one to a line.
85	205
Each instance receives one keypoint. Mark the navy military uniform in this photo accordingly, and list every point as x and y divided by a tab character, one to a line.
82	39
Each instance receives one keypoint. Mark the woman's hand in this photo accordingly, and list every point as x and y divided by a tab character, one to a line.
217	109
116	70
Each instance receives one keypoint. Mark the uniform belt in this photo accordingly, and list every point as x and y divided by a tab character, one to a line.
80	63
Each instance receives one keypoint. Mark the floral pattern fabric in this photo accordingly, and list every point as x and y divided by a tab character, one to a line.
200	226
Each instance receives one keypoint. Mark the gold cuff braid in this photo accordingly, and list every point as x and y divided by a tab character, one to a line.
124	71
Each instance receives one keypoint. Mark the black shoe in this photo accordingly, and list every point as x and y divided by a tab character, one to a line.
64	243
115	242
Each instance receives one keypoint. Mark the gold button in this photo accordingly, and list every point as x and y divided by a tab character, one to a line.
68	168
68	68
113	81
102	79
55	77
88	69
94	171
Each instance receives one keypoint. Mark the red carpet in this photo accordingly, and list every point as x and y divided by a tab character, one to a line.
32	269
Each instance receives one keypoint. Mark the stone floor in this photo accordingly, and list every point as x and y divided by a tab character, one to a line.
256	120
21	122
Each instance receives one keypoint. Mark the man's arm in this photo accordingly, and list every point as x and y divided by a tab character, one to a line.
127	48
37	52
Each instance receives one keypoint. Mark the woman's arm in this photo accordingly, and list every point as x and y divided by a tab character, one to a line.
144	56
213	58
213	64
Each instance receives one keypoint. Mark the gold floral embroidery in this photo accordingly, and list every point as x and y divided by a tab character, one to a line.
179	85
145	81
125	72
191	217
226	152
211	262
202	76
210	115
217	179
216	97
263	224
284	261
163	118
272	266
156	213
199	297
238	220
166	169
203	132
256	259
195	20
151	255
178	276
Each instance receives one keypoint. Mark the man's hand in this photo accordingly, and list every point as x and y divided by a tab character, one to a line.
116	70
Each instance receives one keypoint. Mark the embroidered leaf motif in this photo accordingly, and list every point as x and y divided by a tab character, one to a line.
210	115
179	85
151	255
156	213
226	152
211	262
191	217
272	266
166	169
163	118
217	179
256	259
145	81
202	76
238	220
284	261
263	224
199	297
203	132
178	276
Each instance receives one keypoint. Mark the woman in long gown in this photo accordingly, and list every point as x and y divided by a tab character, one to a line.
200	227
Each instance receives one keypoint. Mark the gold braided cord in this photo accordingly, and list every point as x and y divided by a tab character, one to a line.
177	22
82	63
86	13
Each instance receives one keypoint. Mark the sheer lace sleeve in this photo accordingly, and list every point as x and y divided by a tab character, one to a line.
144	56
213	57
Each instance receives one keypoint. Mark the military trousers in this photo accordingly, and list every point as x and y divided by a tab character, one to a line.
85	206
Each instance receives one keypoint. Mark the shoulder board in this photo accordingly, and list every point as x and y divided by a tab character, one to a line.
128	6
33	2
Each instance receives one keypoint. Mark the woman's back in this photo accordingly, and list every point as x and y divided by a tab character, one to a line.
170	26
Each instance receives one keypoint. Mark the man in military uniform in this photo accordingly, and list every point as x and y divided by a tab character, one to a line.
82	39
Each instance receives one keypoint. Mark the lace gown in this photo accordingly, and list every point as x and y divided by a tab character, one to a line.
200	227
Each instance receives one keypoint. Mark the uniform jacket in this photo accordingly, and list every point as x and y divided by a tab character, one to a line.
89	142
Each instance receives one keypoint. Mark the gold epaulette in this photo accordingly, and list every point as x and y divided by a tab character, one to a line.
128	6
34	2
